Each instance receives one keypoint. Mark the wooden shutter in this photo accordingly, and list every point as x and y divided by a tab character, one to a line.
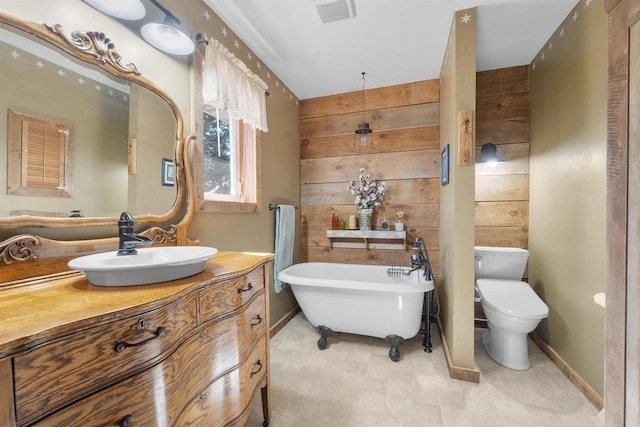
43	166
38	153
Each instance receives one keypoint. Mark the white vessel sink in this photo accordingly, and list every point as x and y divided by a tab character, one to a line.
149	265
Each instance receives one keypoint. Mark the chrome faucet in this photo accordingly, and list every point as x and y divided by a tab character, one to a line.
129	239
421	259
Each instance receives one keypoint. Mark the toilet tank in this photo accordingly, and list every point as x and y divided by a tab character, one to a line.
500	263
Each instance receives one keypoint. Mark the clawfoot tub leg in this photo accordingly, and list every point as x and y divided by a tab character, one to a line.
324	333
395	341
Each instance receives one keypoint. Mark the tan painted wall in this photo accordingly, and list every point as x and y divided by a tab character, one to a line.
457	93
280	146
568	188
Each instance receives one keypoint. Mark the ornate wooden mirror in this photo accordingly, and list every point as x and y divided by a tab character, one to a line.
84	137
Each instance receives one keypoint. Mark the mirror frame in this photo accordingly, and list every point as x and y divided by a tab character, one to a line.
95	48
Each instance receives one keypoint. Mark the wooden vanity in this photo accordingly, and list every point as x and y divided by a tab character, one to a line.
191	351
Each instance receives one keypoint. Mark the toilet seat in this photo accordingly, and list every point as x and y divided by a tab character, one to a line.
512	298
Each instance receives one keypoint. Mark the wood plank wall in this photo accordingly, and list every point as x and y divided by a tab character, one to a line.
404	119
405	123
502	192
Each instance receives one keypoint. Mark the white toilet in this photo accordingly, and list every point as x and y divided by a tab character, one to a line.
512	308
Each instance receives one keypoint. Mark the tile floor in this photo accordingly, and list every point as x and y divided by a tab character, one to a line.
353	383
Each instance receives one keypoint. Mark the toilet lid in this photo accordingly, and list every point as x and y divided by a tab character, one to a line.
513	298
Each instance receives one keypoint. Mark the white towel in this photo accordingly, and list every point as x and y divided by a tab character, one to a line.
285	233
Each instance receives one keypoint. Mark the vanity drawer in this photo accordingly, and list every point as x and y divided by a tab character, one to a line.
224	400
218	299
254	321
158	395
57	373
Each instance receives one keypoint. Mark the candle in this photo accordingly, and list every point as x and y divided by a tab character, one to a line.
352	222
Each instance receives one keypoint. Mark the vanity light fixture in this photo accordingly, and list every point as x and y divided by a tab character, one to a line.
166	36
364	134
130	10
490	155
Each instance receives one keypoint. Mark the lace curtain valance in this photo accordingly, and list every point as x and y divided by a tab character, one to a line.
229	85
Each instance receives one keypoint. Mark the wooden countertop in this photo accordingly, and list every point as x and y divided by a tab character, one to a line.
48	308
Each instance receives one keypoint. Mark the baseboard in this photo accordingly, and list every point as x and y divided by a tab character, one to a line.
457	372
282	322
584	387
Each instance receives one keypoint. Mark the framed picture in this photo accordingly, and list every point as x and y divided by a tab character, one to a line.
168	172
444	166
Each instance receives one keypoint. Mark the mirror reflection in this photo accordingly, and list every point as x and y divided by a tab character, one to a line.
76	141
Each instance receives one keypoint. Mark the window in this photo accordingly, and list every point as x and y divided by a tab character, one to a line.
39	156
220	145
227	154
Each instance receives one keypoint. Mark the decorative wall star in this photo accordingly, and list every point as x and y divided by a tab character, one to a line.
206	15
259	65
561	32
533	66
80	80
587	3
249	57
15	54
40	64
236	43
61	73
277	83
550	45
224	31
465	19
542	56
575	16
98	88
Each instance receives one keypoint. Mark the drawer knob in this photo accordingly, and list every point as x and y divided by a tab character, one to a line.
253	373
120	346
257	321
126	421
247	289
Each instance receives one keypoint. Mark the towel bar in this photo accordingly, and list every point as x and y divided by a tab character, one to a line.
272	206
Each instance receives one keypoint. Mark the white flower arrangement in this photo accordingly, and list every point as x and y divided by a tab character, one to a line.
368	193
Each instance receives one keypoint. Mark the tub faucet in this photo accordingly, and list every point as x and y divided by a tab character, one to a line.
421	258
129	239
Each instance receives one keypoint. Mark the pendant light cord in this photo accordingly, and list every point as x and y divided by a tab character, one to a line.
363	82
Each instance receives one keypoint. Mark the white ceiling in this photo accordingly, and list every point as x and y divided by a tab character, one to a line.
393	41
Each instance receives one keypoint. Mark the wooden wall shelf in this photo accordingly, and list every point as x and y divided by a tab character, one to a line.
367	239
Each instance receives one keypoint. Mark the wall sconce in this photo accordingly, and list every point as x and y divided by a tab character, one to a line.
364	134
489	153
164	36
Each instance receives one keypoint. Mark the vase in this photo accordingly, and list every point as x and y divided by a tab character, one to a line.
364	218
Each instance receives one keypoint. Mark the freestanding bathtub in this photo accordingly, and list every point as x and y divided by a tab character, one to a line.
360	299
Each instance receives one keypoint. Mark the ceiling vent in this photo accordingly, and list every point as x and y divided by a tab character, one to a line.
334	10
